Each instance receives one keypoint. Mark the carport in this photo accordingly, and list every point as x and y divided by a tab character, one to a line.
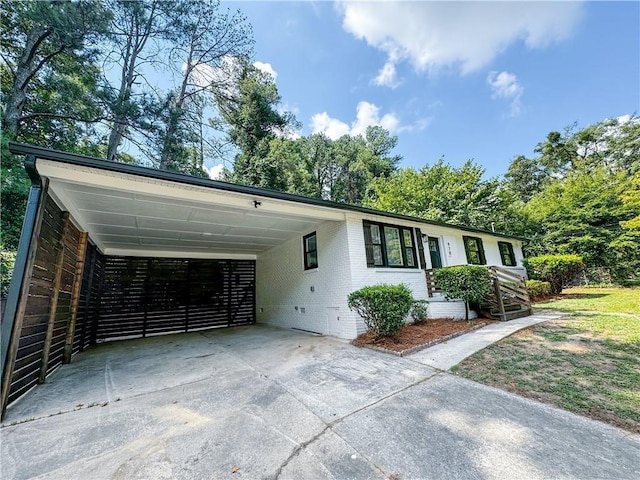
112	250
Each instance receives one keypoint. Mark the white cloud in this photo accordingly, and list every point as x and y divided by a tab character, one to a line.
266	68
387	76
331	127
464	35
505	85
221	76
367	114
215	171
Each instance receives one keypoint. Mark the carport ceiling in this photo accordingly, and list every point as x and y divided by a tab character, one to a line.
129	215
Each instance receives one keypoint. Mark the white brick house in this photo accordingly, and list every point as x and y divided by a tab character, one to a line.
315	299
309	254
111	251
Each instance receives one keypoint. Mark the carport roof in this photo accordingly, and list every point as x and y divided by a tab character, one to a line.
133	210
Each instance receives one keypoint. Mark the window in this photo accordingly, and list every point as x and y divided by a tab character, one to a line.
310	245
475	251
506	254
389	246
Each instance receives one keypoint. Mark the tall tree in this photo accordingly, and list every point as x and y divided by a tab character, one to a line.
137	34
582	214
49	89
525	177
206	38
249	107
39	40
579	195
449	194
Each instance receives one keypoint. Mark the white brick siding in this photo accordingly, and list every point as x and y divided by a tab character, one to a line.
440	307
283	289
282	284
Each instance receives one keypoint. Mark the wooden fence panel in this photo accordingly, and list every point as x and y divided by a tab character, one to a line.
150	296
33	334
71	244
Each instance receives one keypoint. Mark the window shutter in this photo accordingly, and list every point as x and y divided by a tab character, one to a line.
368	245
481	252
423	263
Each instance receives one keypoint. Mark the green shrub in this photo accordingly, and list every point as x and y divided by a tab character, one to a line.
537	288
558	270
466	282
7	261
419	311
384	308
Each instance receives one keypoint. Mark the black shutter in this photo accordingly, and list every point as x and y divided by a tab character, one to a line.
423	263
483	259
368	245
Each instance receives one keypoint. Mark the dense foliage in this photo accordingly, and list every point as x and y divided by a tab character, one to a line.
449	194
470	283
558	270
77	76
384	308
7	260
538	289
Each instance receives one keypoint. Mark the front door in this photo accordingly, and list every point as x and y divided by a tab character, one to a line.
434	251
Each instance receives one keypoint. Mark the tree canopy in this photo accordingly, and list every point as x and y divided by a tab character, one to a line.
77	75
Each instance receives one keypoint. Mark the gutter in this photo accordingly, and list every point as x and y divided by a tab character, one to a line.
92	162
22	259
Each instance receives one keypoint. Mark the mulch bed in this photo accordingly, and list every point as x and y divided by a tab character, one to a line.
414	336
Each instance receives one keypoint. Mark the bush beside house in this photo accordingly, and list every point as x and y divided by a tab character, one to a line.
558	270
466	282
383	308
538	289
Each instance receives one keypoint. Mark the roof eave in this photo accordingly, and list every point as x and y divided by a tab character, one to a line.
33	152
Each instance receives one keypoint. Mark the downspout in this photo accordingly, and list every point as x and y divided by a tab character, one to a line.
24	246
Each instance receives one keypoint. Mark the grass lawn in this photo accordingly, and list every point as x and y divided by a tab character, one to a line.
587	362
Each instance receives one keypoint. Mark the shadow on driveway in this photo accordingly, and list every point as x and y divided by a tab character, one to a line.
259	402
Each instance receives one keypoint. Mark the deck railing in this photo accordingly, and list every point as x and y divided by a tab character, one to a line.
508	291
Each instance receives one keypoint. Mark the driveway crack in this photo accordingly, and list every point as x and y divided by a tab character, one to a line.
297	449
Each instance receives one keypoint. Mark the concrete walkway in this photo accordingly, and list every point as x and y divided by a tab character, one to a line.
446	355
258	402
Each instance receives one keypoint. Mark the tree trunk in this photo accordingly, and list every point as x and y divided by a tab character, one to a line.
25	71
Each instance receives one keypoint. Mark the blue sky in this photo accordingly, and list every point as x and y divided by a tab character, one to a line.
464	80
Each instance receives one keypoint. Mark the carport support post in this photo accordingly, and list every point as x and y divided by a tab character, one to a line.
75	297
53	304
85	307
19	290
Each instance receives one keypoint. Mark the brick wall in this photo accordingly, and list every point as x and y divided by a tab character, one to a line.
283	287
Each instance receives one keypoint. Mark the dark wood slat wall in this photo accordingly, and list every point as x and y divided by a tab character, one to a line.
149	296
64	307
89	295
119	297
54	240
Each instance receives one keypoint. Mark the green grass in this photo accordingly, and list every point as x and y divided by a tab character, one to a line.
588	362
610	300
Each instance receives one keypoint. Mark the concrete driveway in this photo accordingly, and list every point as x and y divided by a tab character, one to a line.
259	402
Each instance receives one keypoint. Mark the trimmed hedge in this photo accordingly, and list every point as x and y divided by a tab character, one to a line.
538	289
558	270
384	308
467	282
